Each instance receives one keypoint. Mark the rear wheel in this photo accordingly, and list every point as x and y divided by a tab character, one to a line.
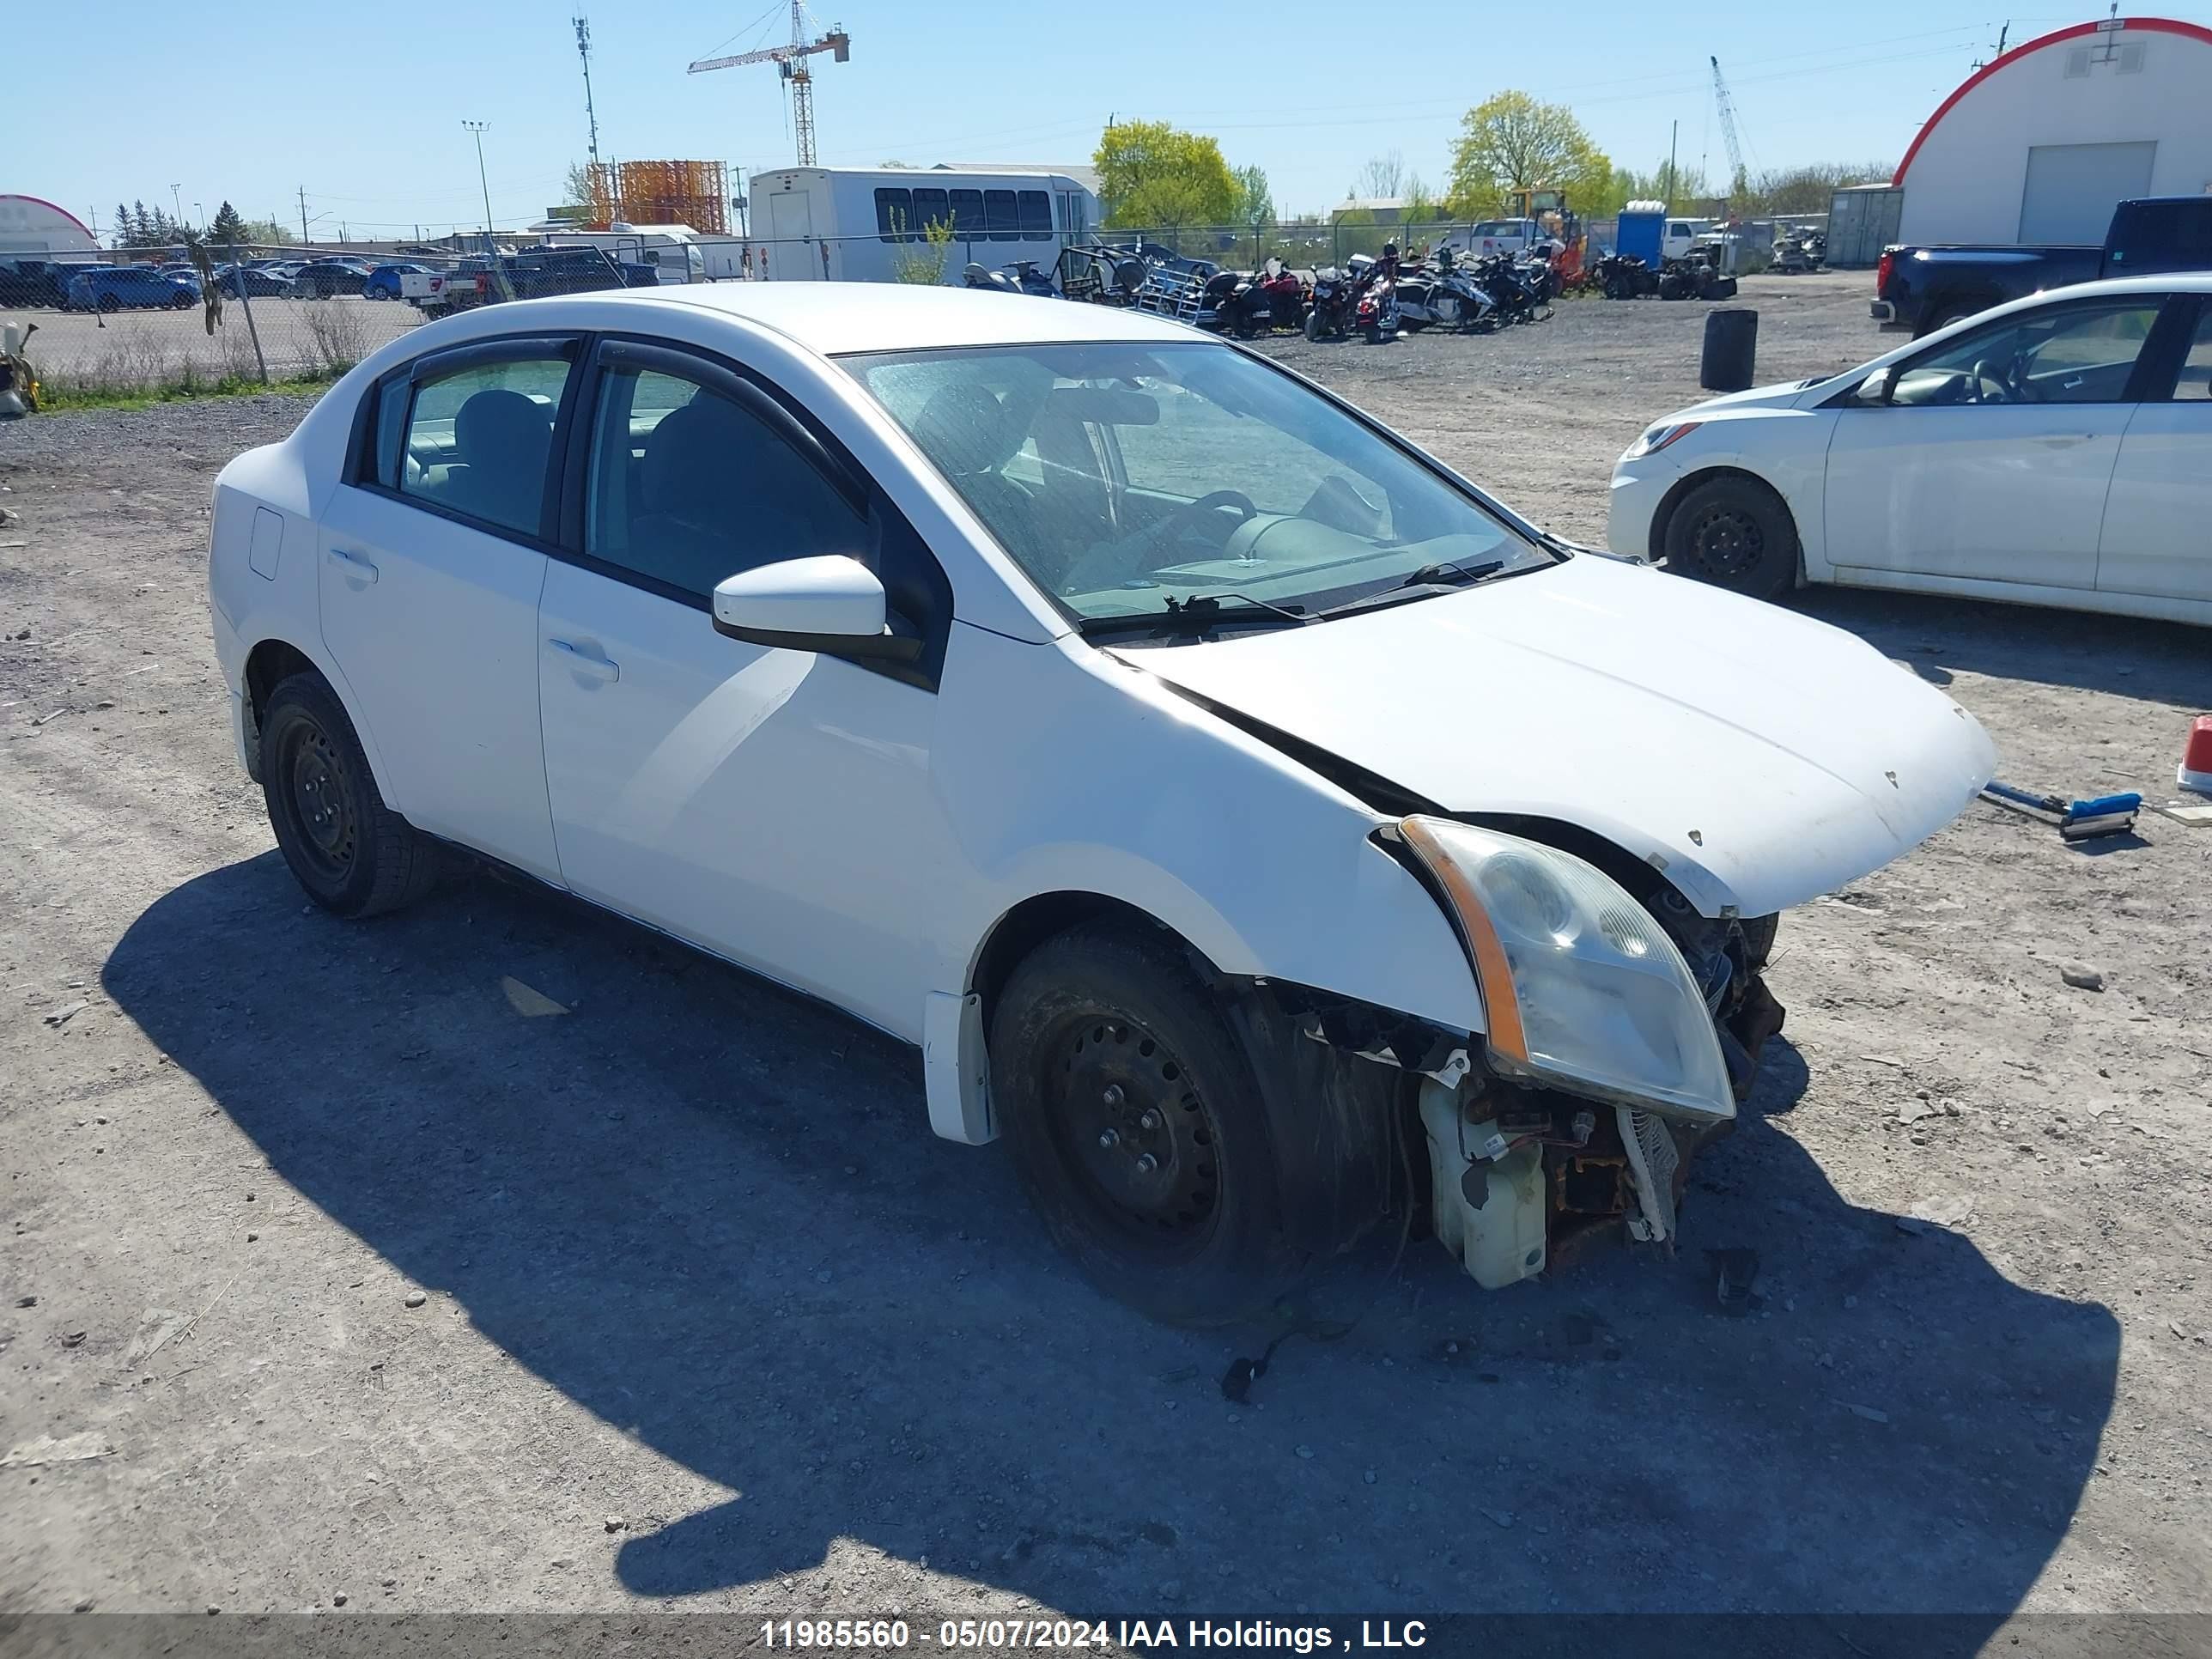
354	856
1737	533
1945	316
1135	1122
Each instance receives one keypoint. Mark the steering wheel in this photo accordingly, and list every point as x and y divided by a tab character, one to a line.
1989	387
1174	525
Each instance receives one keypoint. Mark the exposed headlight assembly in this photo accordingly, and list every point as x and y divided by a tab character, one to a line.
1583	989
1658	437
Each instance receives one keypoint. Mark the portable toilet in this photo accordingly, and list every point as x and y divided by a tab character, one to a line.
1643	225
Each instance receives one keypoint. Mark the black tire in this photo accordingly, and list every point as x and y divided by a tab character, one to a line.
1944	318
183	301
1736	533
1106	1049
110	302
353	854
1758	934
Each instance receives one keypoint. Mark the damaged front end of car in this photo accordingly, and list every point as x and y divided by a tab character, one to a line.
1624	1030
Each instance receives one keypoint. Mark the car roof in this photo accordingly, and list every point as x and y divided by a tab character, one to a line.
834	317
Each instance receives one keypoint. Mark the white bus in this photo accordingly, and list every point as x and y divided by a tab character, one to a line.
853	224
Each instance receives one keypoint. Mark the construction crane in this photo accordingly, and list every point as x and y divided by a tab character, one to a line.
1738	177
791	63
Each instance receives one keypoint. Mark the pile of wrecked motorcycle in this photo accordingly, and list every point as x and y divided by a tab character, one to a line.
1375	298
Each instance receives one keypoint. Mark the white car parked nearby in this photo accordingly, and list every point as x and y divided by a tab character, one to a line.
2054	451
1226	798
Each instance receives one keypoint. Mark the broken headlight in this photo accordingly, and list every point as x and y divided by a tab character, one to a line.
1583	989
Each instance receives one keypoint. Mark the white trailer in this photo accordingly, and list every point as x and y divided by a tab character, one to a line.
856	224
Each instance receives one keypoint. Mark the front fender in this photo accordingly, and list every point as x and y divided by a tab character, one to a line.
1096	778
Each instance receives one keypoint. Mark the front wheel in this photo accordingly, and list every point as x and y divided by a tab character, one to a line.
354	856
1736	533
1135	1122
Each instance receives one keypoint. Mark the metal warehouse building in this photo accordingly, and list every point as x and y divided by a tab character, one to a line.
34	229
2037	146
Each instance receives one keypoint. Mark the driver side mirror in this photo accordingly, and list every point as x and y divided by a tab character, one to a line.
1877	389
832	604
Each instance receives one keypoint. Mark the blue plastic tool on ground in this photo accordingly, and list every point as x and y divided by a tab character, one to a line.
2077	820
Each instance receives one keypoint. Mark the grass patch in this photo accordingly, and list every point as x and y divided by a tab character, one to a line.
88	391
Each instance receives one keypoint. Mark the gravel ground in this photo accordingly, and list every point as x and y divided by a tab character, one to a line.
360	1280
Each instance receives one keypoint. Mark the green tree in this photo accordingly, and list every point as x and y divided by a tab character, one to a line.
120	235
1256	203
227	227
921	263
1150	174
1511	142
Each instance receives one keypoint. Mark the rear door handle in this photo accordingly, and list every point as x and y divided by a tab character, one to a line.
356	568
584	661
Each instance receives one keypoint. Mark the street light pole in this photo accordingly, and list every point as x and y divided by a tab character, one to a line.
177	201
479	128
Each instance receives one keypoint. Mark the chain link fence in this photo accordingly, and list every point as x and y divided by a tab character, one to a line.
180	319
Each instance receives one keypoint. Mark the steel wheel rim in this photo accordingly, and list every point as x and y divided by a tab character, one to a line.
1727	542
319	803
1135	1136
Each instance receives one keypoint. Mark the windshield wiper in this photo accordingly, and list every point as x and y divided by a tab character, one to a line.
1427	579
1431	575
1200	614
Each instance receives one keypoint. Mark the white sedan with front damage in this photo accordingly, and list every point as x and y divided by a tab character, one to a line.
1261	828
2055	451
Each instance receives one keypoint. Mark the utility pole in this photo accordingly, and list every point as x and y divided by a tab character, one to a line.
1674	135
177	201
584	50
303	215
479	128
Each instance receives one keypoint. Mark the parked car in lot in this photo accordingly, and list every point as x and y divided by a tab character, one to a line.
34	281
383	282
112	287
2054	451
325	279
1925	289
258	284
1239	808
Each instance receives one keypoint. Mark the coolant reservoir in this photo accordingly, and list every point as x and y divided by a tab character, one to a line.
1489	1212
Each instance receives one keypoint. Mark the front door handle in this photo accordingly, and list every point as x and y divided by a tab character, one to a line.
356	568
586	661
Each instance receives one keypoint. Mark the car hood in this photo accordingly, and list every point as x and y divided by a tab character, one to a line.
1760	758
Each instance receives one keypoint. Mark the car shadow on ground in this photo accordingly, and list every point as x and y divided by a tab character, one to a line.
712	1214
2157	661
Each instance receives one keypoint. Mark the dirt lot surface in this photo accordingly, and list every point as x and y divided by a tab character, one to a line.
346	1268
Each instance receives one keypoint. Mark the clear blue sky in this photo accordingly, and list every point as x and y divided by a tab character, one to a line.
363	103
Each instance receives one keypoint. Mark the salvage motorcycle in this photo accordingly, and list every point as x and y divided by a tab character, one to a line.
1329	312
1514	291
1444	296
1021	276
1376	316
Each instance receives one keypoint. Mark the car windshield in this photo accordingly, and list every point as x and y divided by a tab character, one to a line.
1130	479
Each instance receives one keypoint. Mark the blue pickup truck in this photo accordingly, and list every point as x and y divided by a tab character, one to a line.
1925	289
